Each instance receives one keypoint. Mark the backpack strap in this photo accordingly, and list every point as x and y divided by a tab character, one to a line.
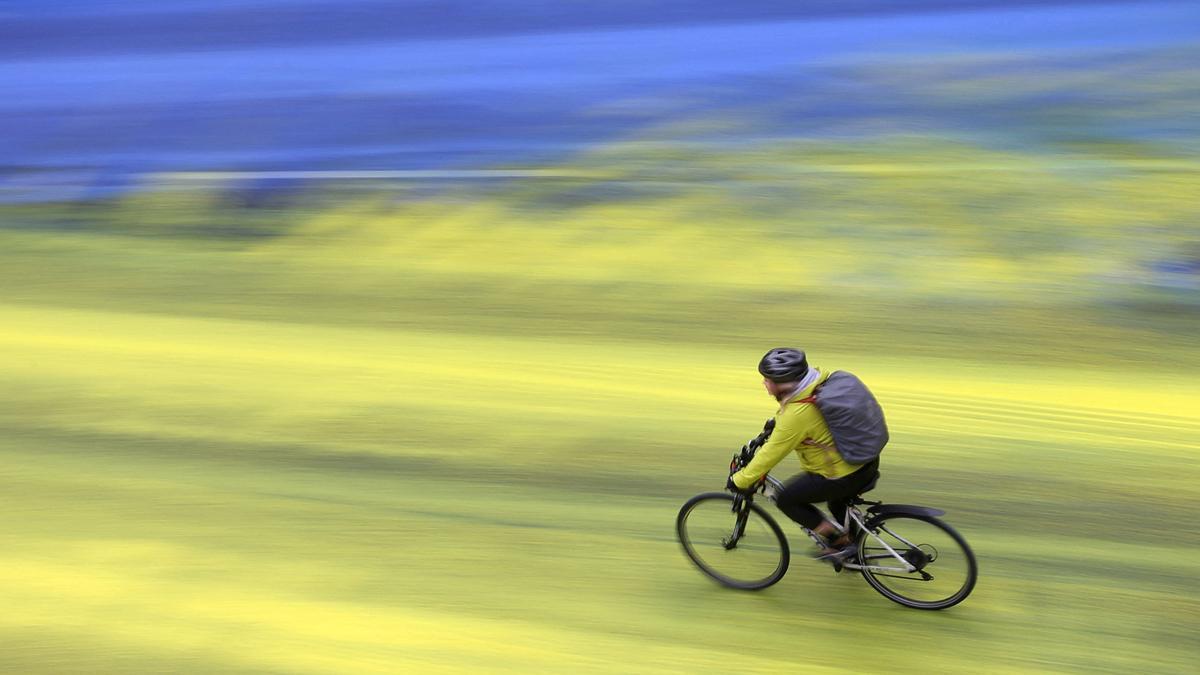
812	443
830	451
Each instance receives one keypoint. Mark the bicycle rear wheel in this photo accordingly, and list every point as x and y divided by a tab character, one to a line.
946	569
745	550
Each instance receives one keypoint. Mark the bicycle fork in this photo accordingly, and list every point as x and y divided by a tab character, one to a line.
739	523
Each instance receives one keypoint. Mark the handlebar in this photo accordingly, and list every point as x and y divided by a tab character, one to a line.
742	457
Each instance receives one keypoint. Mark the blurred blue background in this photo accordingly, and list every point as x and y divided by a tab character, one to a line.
99	92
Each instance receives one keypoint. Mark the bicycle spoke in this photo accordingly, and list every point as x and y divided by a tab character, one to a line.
942	567
706	528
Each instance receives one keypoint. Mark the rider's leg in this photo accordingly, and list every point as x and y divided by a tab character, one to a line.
848	488
837	537
831	532
798	495
796	501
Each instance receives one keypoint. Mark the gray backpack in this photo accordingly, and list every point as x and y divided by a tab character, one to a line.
853	415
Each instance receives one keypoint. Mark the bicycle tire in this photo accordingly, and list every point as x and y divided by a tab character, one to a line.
881	581
768	546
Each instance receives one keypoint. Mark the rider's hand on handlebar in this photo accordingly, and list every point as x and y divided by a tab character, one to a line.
732	487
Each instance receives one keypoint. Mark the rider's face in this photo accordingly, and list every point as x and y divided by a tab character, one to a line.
778	390
772	388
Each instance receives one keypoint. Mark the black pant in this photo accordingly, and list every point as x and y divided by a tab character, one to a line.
798	494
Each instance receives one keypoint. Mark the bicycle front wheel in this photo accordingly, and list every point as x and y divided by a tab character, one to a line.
943	568
745	550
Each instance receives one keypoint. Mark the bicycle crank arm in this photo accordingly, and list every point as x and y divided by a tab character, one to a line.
876	568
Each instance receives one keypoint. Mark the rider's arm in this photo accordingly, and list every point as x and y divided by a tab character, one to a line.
784	439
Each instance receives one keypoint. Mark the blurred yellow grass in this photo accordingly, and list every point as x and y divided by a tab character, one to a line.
275	377
192	551
451	435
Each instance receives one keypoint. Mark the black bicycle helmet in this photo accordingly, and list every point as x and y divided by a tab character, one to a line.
783	364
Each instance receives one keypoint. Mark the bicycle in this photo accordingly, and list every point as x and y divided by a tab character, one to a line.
894	543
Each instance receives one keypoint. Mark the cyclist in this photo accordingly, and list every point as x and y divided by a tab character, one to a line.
800	428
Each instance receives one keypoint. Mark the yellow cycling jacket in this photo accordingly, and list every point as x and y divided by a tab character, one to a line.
799	427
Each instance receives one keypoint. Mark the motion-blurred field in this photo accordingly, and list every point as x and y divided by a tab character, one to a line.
447	435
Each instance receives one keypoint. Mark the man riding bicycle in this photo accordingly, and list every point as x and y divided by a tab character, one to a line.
799	427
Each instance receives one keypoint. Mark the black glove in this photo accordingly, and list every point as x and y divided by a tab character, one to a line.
732	487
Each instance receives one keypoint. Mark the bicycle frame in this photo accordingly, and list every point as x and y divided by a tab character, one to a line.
774	485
